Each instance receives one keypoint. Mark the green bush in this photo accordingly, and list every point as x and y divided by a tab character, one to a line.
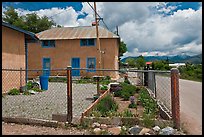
148	120
14	91
104	87
127	91
37	89
26	93
127	113
132	105
125	95
29	85
106	104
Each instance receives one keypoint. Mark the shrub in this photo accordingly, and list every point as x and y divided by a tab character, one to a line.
127	113
26	93
106	104
29	85
148	120
125	95
14	91
104	87
132	105
37	89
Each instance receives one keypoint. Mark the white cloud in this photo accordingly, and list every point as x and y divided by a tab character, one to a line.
144	31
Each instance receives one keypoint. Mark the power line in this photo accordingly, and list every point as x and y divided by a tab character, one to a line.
59	13
99	16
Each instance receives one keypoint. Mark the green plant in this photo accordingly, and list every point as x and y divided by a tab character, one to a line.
132	105
26	93
106	104
148	120
104	87
37	89
14	91
29	85
95	113
127	113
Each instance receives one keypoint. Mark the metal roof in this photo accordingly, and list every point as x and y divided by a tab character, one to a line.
75	33
27	33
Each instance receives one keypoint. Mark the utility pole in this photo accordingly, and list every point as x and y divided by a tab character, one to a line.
97	35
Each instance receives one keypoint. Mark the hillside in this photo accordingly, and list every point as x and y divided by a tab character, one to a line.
197	59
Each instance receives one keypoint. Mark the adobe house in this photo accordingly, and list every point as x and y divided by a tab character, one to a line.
14	47
76	47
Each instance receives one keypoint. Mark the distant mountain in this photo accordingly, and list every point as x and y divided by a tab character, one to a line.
173	59
197	59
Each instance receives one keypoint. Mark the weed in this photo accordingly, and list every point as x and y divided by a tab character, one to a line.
127	113
148	120
14	91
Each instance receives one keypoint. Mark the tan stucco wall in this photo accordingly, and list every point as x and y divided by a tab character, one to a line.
64	50
13	57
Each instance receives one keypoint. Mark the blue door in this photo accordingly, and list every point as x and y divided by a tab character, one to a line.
46	66
75	64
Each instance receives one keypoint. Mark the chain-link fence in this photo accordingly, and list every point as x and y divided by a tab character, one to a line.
83	84
158	83
27	100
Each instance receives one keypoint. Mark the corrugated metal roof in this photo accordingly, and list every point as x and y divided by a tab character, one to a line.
75	33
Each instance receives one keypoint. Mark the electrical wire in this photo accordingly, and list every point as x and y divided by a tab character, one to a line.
99	16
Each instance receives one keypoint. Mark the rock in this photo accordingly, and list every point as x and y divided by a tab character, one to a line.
115	130
147	134
124	128
156	128
97	131
104	126
135	130
95	124
32	92
12	124
167	131
144	130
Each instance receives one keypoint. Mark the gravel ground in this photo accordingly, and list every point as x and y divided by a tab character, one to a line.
17	129
43	104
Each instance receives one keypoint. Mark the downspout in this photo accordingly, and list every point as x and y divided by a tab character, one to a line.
26	61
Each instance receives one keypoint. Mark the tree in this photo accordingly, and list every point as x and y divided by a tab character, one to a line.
131	62
140	62
10	16
122	48
30	22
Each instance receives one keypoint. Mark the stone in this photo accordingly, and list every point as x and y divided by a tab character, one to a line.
167	131
135	130
104	126
147	134
97	131
115	130
124	128
144	130
156	128
32	92
95	124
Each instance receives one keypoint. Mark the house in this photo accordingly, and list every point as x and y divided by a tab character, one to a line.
14	47
177	64
76	47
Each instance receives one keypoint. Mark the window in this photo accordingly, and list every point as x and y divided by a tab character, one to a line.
87	42
48	43
91	64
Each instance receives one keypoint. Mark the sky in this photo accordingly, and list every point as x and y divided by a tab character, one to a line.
147	28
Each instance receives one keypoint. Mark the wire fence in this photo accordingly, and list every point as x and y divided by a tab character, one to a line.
32	102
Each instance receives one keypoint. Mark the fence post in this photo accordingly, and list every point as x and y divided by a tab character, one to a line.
69	94
175	97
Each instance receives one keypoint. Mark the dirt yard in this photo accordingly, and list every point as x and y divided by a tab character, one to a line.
17	129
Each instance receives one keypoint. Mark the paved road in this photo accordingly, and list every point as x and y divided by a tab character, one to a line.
191	105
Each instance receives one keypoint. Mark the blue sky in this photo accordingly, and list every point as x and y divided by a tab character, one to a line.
148	28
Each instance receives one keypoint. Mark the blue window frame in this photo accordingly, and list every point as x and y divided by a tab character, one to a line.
91	64
48	43
87	42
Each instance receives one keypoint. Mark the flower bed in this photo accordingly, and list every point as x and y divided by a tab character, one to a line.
128	101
